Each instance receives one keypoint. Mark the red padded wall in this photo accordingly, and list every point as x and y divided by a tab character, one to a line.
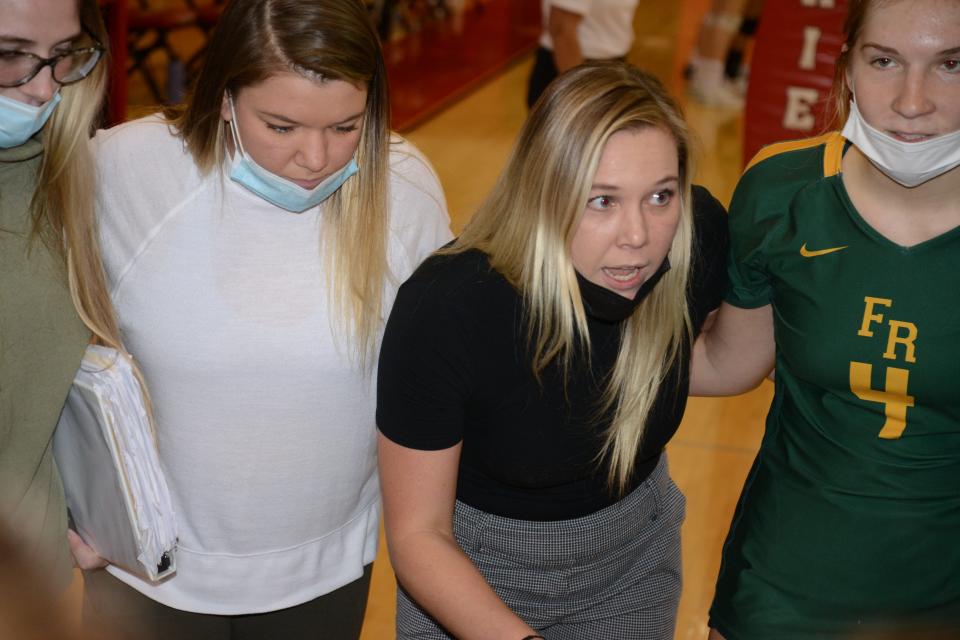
792	71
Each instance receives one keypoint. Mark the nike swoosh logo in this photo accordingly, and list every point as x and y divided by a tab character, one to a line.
807	253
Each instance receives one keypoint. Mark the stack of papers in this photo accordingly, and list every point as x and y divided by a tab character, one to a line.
107	456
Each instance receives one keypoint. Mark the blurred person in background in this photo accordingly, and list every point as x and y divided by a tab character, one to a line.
708	83
578	30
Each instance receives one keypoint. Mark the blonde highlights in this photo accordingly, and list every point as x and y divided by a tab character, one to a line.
331	40
527	224
62	207
63	204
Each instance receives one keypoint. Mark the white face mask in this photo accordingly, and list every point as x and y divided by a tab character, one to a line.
909	163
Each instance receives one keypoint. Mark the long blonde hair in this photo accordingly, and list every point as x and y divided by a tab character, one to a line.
527	223
333	39
63	204
62	207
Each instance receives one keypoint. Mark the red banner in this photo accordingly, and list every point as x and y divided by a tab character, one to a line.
791	73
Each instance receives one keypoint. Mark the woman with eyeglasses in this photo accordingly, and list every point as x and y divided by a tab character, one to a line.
254	239
53	297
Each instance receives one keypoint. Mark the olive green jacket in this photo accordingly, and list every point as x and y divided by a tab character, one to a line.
41	343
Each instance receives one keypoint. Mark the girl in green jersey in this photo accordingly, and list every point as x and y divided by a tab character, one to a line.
843	249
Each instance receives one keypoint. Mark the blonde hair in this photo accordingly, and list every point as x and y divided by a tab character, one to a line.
332	40
527	223
62	207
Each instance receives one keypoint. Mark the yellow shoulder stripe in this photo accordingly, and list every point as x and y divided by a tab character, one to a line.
833	154
832	151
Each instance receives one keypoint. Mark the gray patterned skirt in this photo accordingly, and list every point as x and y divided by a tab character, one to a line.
614	573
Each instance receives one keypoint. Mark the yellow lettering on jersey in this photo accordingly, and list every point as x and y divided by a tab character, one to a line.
907	341
869	316
894	397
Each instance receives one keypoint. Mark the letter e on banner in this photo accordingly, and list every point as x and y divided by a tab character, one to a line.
799	112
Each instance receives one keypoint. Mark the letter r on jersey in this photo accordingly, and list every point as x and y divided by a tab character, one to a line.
906	340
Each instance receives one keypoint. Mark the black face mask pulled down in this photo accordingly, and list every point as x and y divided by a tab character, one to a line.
608	306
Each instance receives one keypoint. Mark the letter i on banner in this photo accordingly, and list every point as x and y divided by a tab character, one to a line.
791	73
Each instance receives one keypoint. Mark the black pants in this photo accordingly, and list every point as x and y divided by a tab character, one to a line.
114	611
544	71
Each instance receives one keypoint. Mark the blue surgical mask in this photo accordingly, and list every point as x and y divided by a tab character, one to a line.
277	190
19	120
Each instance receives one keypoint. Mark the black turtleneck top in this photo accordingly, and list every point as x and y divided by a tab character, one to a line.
454	366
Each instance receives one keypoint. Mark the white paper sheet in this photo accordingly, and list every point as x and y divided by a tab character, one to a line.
107	457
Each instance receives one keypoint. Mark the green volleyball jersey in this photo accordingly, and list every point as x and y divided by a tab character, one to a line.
850	517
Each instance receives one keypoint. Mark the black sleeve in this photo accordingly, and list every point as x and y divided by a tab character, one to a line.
708	276
424	375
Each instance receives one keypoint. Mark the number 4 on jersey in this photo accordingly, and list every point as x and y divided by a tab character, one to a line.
894	396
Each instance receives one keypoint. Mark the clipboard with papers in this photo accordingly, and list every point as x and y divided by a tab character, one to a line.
107	457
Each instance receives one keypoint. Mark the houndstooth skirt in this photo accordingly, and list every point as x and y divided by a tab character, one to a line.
614	573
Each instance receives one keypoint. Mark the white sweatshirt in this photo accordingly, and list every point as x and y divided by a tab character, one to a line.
266	427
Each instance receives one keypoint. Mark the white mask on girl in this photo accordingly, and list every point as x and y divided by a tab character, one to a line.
909	163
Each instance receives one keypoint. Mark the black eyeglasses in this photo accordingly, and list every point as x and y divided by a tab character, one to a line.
19	67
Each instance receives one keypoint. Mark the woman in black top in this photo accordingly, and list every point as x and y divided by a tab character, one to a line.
533	371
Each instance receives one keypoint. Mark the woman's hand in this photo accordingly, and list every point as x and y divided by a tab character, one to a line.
419	493
83	554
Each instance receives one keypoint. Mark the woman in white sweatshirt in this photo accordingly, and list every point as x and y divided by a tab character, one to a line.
254	238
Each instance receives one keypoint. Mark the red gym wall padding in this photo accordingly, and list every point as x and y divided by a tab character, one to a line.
791	73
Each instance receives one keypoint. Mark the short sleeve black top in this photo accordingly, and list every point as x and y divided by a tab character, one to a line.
454	366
